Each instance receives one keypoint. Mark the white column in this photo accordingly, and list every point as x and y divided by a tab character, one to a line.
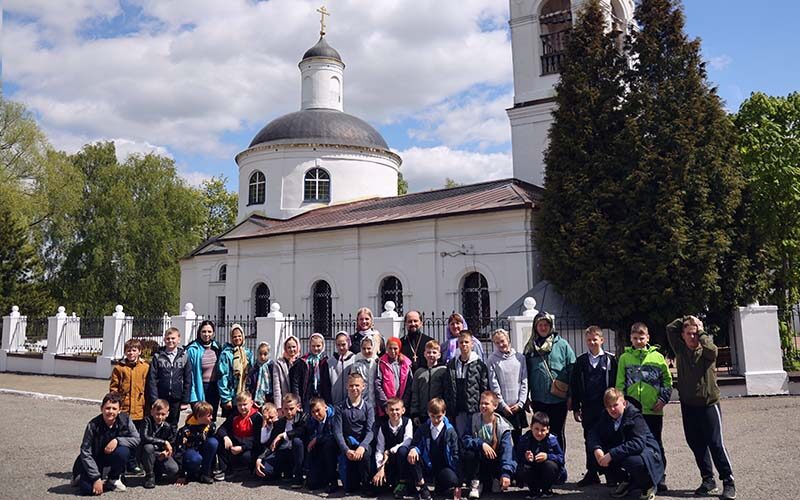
758	350
186	322
389	324
115	331
274	329
55	340
522	326
13	336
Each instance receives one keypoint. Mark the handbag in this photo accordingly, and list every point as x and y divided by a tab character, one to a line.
558	388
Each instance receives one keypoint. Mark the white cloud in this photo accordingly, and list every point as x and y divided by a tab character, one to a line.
427	168
125	148
719	63
193	178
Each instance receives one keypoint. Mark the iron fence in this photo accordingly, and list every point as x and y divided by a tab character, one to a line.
35	334
81	336
222	332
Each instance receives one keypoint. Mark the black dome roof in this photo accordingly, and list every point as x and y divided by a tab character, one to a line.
322	49
320	126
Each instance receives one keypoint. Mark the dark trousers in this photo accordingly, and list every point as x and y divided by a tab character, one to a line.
396	467
441	475
519	421
591	411
322	463
286	462
475	465
702	426
199	462
174	412
228	461
632	469
656	425
558	417
211	392
355	474
153	466
133	458
538	476
115	461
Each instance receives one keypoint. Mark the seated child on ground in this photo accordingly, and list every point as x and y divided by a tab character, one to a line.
158	435
488	448
108	440
391	448
352	427
434	454
321	448
239	434
624	447
269	463
540	458
196	446
289	443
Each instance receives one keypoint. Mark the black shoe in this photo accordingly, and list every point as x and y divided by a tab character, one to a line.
707	489
424	492
297	483
589	479
206	479
622	490
534	494
728	490
332	489
662	487
548	493
611	483
150	482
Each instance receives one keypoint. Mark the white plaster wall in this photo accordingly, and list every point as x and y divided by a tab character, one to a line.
324	89
354	175
529	128
354	261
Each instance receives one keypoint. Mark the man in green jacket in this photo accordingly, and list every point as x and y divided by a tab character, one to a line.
696	356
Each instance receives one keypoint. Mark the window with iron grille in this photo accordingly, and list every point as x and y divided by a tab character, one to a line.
321	307
261	302
258	189
555	22
475	305
317	185
391	289
221	307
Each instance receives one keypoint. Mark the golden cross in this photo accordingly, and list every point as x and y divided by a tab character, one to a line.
323	12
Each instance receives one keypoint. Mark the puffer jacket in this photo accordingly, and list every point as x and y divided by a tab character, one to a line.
129	381
560	360
170	380
643	375
477	376
428	384
505	447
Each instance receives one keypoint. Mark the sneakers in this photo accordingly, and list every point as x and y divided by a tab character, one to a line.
589	479
533	494
206	479
728	490
115	485
707	489
399	491
648	494
135	471
218	475
150	482
622	490
424	492
474	489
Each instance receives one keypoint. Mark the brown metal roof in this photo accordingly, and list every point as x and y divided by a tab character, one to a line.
482	197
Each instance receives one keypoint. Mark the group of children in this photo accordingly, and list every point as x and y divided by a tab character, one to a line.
371	423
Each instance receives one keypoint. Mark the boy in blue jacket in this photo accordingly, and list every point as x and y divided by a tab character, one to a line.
434	454
540	458
322	447
488	448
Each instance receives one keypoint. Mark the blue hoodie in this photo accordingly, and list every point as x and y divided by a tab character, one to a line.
422	443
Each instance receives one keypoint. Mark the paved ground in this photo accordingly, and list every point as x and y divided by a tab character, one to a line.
40	439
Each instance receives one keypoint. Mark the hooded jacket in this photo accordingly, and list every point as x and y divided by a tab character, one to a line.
560	360
385	379
97	435
643	375
548	445
633	437
477	375
249	441
170	380
226	382
335	389
505	447
423	440
128	380
697	368
194	352
508	377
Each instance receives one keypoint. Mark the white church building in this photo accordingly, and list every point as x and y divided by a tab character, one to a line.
322	231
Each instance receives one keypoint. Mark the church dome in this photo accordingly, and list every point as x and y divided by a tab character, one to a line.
322	49
320	126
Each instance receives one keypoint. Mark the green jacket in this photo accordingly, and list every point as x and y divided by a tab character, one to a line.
643	375
697	368
560	360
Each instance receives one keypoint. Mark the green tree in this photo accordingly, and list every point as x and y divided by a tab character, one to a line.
220	206
770	151
450	183
402	184
577	226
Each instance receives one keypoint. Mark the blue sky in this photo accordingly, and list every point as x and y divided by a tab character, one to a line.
197	80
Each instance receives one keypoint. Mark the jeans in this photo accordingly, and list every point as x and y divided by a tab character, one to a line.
199	462
115	461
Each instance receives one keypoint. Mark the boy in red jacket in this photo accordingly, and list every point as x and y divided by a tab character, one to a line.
238	436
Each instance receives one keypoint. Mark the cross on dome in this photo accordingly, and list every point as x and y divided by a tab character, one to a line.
322	13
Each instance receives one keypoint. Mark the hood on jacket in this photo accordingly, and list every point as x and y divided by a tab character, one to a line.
497	355
473	356
503	425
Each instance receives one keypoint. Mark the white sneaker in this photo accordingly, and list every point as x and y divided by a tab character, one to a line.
116	485
475	489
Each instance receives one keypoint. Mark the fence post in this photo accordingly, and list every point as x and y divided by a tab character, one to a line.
13	336
274	329
55	334
113	342
758	350
185	322
522	326
389	324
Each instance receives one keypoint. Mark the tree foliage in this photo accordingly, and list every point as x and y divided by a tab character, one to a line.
402	184
642	228
220	206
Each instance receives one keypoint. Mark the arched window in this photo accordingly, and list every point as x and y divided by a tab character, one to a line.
392	289
336	89
321	307
223	273
261	300
555	21
258	188
475	301
317	185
